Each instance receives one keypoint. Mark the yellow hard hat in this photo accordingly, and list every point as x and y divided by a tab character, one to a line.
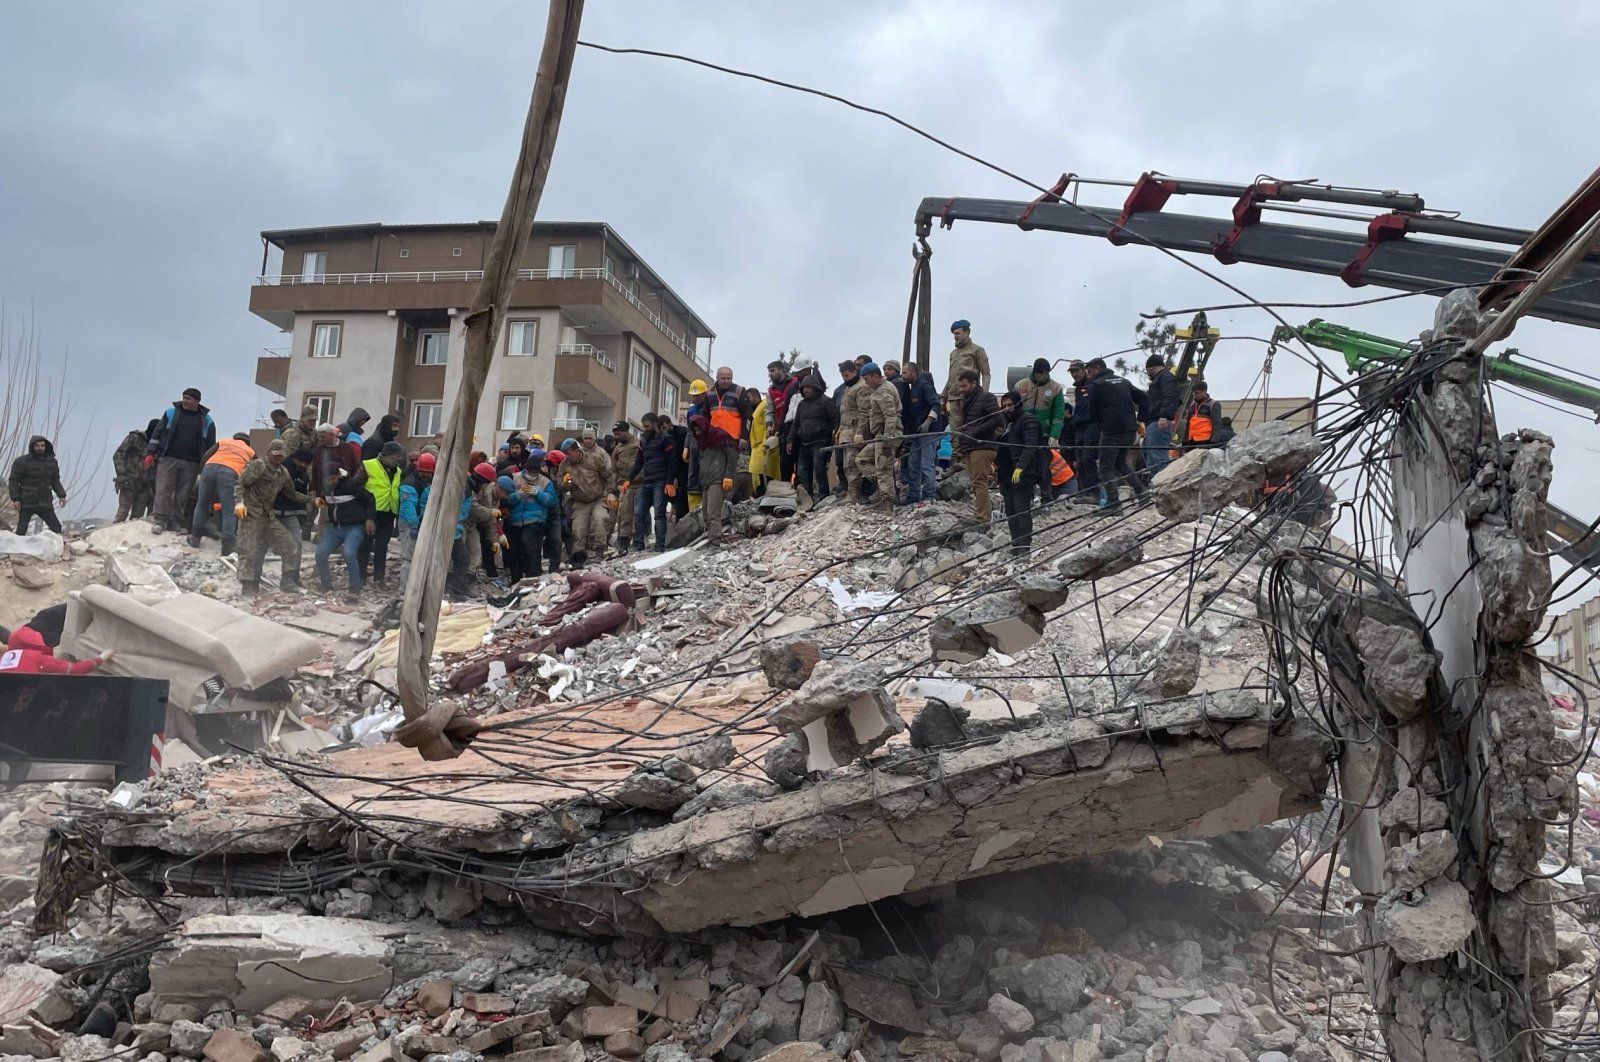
699	387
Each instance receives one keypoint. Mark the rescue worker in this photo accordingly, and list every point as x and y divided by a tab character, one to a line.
877	428
351	431
176	452
1200	418
295	513
624	450
974	443
349	513
302	434
719	459
280	422
413	503
589	477
264	481
483	541
815	420
388	431
849	421
1114	406
654	476
35	485
918	416
1018	460
1160	413
725	406
849	376
336	467
1078	420
531	504
964	357
1045	402
27	654
756	466
782	386
384	474
135	485
218	481
679	434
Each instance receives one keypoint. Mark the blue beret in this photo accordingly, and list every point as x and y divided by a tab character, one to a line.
870	369
963	323
506	484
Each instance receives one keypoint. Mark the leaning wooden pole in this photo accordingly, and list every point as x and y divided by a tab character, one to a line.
437	730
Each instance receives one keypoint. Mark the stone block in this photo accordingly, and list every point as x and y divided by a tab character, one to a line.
640	999
624	1044
680	1008
22	986
1001	621
876	999
568	1052
435	997
821	1015
600	1022
1105	556
234	1045
504	1031
1177	663
1013	1017
488	1002
1431	927
789	663
834	686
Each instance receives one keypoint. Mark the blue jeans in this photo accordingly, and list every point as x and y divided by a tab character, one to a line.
922	460
216	485
1157	444
650	497
347	540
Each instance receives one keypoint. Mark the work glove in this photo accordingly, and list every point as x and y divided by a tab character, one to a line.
727	484
1053	442
343	473
772	442
322	503
240	511
149	460
1016	476
672	490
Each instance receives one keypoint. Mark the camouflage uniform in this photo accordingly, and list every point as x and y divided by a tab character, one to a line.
260	529
973	357
849	426
622	458
136	487
878	420
586	482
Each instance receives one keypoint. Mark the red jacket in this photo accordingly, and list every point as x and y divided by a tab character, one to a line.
26	654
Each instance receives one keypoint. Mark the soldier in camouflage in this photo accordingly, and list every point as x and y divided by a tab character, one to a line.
264	479
878	428
136	487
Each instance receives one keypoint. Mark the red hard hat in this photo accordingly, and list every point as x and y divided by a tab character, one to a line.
485	472
425	462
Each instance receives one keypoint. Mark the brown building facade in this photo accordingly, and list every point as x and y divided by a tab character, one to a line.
373	316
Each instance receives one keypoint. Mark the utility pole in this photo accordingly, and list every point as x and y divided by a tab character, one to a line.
436	730
1451	761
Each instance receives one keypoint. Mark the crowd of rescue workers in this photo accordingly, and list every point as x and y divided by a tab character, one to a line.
882	436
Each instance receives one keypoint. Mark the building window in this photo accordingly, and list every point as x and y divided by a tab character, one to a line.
1563	645
563	259
515	411
611	267
401	405
455	252
639	374
324	404
326	337
405	252
522	338
314	265
435	348
669	397
1591	631
426	419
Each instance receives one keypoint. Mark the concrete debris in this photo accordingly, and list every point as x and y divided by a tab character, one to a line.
1003	622
1428	925
1105	556
1421	860
1207	480
790	662
1177	663
1013	1017
1396	665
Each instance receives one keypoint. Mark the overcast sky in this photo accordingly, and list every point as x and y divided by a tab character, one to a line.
147	144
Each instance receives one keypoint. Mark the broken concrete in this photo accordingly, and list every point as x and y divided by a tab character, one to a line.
1004	622
1105	556
1208	480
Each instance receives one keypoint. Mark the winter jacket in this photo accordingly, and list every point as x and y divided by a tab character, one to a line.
1114	403
971	357
36	479
384	485
779	395
261	485
760	425
1046	403
623	456
358	510
326	463
1022	446
981	423
719	452
657	463
183	434
850	410
879	411
297	437
413	500
1080	404
296	500
923	403
388	431
27	654
816	418
534	501
728	410
128	462
902	387
1162	400
590	476
350	430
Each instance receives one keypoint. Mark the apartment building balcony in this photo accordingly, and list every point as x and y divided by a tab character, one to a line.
588	375
594	299
272	370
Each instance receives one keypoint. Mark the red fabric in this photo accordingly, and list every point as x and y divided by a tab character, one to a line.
597	622
584	589
778	397
27	654
711	437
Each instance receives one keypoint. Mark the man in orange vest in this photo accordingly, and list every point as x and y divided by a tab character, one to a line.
1199	418
218	479
727	408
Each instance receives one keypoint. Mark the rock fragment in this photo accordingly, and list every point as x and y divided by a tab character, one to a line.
1431	927
1105	556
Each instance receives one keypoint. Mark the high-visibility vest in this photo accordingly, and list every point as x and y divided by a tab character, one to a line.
233	454
383	485
1200	425
1060	471
725	412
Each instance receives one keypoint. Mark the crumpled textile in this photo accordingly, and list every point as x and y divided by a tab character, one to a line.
599	621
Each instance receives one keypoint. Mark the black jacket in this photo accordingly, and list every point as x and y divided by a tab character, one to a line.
358	510
657	463
1114	403
388	431
838	392
923	401
35	481
1080	403
354	424
981	423
815	418
1021	447
1162	400
284	505
184	434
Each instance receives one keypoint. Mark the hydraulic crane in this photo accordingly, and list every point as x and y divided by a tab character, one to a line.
1363	352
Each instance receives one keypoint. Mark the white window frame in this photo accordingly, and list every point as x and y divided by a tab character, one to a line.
422	345
514	423
669	397
313	266
635	366
563	260
324	404
322	328
437	416
513	328
402	409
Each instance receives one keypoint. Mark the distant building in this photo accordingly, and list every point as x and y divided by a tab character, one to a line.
374	319
1574	644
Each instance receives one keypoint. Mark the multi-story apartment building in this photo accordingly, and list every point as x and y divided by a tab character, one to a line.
1574	644
374	319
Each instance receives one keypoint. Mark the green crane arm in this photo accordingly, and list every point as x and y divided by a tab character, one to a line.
1363	351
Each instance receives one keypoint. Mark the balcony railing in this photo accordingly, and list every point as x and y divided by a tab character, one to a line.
575	424
445	276
588	350
275	352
